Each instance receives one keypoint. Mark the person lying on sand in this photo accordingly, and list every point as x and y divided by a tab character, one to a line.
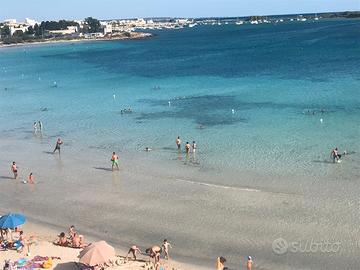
62	241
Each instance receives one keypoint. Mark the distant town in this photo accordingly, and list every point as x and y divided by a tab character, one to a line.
30	30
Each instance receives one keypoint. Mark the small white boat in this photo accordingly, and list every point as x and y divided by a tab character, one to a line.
239	23
254	22
191	25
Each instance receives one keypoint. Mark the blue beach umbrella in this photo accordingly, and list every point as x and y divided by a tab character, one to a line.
11	221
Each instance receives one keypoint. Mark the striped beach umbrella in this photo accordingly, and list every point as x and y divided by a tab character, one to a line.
11	220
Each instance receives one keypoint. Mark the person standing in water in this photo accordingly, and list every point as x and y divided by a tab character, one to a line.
335	155
187	147
40	125
57	146
193	147
114	161
178	142
31	178
35	127
14	169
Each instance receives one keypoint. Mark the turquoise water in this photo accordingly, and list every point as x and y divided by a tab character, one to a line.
269	74
260	173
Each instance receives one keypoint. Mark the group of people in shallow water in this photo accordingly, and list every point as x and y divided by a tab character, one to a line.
188	147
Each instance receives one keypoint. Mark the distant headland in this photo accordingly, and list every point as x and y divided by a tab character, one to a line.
32	32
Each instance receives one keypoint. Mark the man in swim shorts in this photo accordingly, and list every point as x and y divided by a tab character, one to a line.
114	161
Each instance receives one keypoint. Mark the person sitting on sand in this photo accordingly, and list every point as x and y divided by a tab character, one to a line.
20	243
62	241
134	249
72	232
75	243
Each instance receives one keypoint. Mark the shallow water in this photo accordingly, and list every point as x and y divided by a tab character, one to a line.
260	173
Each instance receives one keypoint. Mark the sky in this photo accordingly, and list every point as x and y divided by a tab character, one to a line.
114	9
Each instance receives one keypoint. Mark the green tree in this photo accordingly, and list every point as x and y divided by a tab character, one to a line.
30	31
93	24
5	32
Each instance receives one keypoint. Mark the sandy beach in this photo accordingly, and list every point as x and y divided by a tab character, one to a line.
132	36
262	182
42	245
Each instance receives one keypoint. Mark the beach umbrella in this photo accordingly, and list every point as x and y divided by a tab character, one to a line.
11	221
97	253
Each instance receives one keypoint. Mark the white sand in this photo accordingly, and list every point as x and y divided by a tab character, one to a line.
43	246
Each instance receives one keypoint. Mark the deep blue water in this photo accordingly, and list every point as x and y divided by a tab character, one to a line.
270	75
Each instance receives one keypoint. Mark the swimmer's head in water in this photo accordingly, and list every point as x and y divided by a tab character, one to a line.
113	153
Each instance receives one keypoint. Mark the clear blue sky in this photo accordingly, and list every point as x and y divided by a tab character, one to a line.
109	9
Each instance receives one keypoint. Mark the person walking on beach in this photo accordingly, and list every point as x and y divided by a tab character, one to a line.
193	147
114	161
31	178
187	147
249	263
178	142
57	146
166	246
14	169
134	249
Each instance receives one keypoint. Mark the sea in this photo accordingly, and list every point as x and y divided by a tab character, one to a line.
265	104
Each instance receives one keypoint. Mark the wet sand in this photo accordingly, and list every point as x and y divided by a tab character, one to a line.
148	201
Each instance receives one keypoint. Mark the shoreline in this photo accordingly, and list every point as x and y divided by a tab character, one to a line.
136	36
